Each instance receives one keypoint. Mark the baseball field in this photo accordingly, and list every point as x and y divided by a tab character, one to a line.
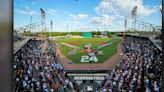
108	51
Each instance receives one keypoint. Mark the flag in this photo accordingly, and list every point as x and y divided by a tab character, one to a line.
134	11
42	12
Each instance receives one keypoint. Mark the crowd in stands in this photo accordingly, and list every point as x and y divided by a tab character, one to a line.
139	69
36	69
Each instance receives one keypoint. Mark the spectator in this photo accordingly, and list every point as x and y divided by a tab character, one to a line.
141	59
36	69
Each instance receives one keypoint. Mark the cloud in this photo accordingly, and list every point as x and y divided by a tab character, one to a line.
79	16
65	12
83	28
33	3
27	7
51	11
104	19
25	12
123	8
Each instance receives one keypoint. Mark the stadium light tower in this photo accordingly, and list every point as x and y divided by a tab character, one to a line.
125	25
51	27
134	13
43	20
31	22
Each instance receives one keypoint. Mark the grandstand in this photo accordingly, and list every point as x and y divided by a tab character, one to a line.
128	61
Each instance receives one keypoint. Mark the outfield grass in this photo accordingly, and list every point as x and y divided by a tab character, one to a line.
108	51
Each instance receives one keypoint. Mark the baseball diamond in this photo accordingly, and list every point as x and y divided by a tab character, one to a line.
107	50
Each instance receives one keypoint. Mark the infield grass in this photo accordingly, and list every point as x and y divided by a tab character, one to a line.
80	42
107	51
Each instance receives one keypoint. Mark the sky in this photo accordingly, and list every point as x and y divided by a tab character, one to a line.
86	15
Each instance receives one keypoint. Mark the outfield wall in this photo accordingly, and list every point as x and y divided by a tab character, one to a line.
77	36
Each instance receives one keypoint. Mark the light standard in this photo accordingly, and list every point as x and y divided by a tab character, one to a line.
124	29
51	27
31	22
134	13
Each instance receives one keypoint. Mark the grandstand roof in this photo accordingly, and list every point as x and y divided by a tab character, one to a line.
19	44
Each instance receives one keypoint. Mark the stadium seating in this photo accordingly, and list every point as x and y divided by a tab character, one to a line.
37	70
138	71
